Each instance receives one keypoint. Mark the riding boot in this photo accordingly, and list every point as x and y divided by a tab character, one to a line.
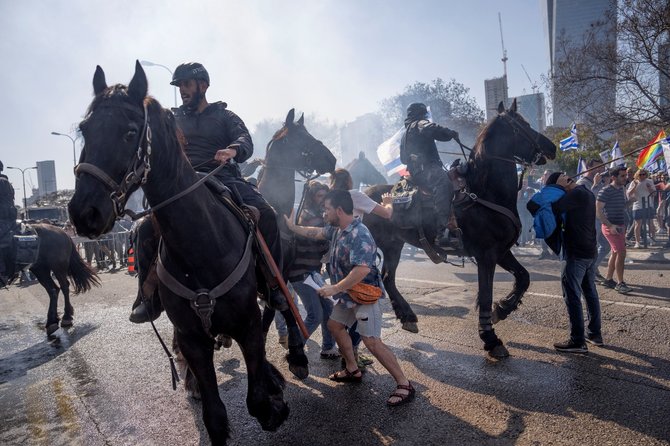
148	310
442	195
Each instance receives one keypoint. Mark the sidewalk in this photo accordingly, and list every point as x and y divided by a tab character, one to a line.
654	254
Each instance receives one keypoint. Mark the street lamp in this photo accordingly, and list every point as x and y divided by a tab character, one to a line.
146	63
23	177
74	151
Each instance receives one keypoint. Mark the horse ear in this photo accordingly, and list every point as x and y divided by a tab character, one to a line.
138	86
501	108
301	119
99	83
513	107
290	117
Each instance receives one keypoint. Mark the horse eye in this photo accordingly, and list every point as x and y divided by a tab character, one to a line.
130	134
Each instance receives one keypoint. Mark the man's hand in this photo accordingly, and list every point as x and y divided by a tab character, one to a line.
290	221
226	154
454	135
328	290
387	199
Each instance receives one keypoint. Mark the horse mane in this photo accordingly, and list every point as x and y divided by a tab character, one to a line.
279	134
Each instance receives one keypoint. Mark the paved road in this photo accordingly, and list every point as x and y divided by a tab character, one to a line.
106	381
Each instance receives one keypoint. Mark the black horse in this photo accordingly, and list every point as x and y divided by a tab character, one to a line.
292	149
57	255
130	140
364	172
488	234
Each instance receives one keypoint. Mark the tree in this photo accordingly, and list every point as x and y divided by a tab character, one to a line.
636	64
449	102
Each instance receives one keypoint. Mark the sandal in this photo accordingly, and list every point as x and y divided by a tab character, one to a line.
404	397
345	376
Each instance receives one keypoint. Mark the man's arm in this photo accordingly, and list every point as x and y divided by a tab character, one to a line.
436	131
313	232
600	213
357	274
239	137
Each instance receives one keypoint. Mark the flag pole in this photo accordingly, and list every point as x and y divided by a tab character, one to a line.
611	161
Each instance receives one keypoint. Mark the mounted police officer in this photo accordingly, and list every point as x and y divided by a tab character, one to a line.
212	135
7	222
419	152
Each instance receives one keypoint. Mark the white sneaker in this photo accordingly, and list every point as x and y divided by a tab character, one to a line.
637	246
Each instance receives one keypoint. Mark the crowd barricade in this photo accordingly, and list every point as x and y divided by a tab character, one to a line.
109	252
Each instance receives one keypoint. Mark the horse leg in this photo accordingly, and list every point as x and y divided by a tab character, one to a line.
199	355
492	344
511	302
190	383
400	306
68	309
265	396
44	277
297	360
268	317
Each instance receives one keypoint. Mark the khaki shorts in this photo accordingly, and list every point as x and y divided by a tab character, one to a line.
369	318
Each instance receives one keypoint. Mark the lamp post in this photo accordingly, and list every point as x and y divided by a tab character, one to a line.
146	63
23	177
74	150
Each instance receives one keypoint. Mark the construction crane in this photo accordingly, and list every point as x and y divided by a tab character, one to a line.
533	85
502	42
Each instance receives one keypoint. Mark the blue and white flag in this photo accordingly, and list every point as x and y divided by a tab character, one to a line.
389	154
571	142
616	153
581	165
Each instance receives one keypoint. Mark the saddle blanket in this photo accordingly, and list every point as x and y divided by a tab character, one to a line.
27	249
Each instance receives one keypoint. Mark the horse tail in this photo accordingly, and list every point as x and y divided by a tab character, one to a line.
81	275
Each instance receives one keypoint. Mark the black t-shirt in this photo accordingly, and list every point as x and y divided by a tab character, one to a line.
579	235
212	130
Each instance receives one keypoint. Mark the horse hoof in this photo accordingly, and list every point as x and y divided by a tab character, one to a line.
299	372
412	327
66	323
499	352
193	393
494	316
51	329
223	341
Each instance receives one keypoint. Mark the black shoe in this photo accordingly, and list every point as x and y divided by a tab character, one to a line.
571	347
449	240
596	340
145	312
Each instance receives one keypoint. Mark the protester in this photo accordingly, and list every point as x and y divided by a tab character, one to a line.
600	180
212	135
578	239
545	253
363	205
352	261
526	219
7	222
419	152
642	191
308	255
610	209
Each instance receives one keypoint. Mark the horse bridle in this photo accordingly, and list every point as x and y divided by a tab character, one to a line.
306	154
537	151
136	173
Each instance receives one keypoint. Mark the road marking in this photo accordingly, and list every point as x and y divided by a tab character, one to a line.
611	302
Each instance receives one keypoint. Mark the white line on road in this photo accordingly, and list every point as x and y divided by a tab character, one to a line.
455	284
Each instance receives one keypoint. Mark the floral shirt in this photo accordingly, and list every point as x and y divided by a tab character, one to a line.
352	246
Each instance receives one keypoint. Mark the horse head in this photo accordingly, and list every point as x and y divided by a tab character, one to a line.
515	139
294	147
115	158
363	171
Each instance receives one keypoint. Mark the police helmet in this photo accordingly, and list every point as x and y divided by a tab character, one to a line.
417	110
190	70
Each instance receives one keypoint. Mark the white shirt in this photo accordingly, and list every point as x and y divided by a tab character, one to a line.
362	203
643	193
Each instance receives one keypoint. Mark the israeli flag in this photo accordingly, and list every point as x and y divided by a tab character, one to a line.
389	154
581	165
616	153
571	142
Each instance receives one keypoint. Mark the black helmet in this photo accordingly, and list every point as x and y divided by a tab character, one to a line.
417	110
190	70
2	166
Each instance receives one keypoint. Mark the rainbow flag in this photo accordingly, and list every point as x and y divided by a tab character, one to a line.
652	151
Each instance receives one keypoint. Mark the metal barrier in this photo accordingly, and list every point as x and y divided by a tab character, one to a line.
109	252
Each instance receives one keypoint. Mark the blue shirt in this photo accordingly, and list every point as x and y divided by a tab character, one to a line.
352	246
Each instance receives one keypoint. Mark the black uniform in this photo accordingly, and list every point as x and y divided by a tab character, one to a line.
426	166
214	129
7	222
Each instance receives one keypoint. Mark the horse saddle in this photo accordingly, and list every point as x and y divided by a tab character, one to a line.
231	199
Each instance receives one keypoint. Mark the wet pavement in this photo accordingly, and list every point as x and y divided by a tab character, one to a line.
106	381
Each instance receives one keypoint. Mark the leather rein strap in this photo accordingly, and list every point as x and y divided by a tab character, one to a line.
202	300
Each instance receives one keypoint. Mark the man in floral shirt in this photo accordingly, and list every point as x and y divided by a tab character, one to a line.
353	261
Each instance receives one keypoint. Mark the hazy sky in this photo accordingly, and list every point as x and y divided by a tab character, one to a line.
335	58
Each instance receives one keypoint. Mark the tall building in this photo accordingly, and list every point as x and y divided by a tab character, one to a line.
496	91
531	107
569	21
46	177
